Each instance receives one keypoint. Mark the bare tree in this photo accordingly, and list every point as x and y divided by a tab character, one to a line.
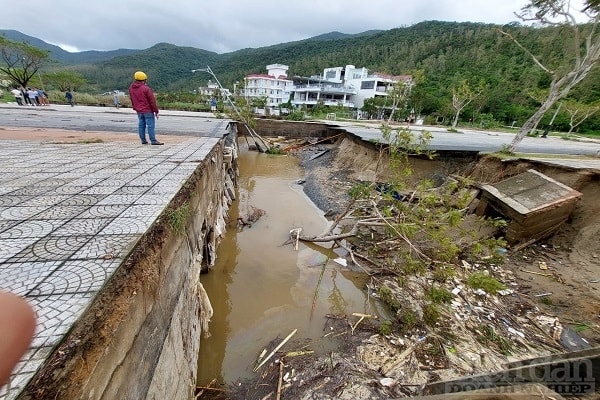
585	47
21	61
401	91
462	96
579	112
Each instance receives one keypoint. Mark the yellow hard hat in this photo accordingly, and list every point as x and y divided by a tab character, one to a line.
140	76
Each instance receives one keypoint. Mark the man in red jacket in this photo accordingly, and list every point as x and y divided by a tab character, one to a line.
144	103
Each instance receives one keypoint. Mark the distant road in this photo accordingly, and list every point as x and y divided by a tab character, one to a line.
484	141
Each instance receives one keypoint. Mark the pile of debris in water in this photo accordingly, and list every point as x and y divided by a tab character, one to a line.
477	332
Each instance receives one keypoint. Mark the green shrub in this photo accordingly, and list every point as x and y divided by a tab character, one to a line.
439	295
481	280
431	314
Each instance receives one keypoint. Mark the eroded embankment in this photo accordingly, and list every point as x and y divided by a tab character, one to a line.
447	323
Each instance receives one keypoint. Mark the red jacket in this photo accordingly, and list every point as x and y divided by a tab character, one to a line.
142	98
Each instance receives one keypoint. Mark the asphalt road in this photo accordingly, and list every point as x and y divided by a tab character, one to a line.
486	141
84	118
108	119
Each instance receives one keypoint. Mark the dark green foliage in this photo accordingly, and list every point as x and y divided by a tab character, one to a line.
439	295
480	280
486	335
387	296
431	314
408	320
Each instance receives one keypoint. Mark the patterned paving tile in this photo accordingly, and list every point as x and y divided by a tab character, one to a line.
128	226
82	200
32	190
10	200
31	229
10	247
21	278
106	247
119	199
132	190
61	212
21	213
50	248
56	314
5	225
143	210
113	183
163	188
154	199
101	211
69	189
105	190
77	276
45	200
82	226
65	227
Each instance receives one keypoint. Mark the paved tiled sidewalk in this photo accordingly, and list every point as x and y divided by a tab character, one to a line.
68	215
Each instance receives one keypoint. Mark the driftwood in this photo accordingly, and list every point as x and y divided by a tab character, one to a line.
271	354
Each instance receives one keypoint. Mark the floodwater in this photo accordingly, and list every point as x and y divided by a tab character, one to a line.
261	289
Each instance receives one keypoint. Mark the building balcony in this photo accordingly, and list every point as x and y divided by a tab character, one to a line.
331	103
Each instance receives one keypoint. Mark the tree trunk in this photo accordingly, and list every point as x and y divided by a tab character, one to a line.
455	122
533	121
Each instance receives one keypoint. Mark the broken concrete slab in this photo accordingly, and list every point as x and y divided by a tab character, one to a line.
535	204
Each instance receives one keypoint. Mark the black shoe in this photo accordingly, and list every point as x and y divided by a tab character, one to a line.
144	142
157	143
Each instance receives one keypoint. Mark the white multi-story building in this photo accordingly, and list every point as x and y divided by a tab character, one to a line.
346	86
338	86
273	86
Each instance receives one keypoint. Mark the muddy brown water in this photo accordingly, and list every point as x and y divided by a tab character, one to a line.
262	290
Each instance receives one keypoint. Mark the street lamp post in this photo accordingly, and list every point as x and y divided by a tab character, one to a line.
252	132
207	69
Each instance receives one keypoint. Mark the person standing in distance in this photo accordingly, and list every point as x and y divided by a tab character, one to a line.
69	97
144	103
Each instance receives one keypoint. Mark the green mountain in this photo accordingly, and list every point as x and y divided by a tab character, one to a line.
64	57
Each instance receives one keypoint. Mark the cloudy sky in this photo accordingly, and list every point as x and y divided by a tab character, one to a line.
227	25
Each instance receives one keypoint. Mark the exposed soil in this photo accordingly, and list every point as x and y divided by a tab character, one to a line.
572	255
67	136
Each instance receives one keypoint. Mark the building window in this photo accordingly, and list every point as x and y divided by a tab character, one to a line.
367	85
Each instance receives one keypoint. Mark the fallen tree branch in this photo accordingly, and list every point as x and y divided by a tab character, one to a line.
331	238
403	237
284	341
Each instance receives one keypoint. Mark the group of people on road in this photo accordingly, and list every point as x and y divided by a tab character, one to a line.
30	96
141	96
